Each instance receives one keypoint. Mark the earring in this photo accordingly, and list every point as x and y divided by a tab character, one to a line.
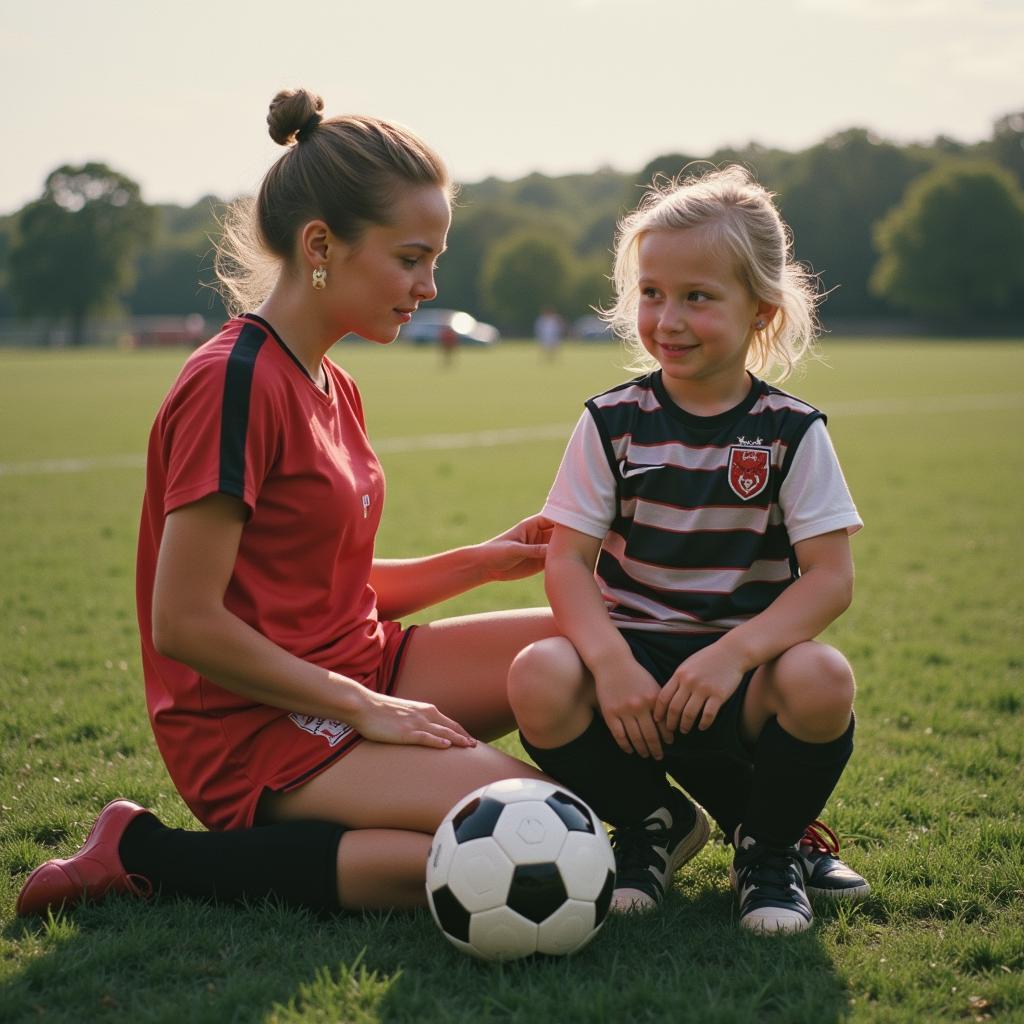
319	277
758	325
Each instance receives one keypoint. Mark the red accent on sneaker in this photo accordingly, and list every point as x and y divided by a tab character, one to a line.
92	873
818	836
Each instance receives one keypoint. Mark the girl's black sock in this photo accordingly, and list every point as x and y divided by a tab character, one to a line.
719	783
792	782
622	789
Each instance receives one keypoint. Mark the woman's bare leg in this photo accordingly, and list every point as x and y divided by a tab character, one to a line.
393	797
382	869
461	665
389	786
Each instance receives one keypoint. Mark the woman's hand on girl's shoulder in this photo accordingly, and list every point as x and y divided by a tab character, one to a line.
518	552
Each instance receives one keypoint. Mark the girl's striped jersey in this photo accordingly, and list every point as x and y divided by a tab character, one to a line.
698	515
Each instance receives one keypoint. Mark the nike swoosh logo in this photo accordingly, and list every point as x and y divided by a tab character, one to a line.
635	470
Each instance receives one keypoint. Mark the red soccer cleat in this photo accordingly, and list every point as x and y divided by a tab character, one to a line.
90	874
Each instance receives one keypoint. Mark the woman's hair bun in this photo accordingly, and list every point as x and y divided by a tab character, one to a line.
291	110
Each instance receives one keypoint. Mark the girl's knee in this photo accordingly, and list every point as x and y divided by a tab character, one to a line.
814	681
546	679
835	678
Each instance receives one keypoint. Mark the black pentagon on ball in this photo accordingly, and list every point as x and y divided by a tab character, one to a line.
604	899
477	819
451	914
573	812
537	891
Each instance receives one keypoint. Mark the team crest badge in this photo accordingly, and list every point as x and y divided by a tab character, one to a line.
748	470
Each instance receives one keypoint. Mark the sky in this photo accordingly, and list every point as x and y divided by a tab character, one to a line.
175	94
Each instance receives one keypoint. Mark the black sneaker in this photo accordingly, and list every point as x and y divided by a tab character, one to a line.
825	874
649	853
769	881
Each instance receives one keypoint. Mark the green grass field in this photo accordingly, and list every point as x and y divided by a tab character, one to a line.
930	808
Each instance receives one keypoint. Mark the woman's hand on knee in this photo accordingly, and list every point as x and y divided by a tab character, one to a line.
387	719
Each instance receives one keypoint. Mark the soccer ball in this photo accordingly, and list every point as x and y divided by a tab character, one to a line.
519	867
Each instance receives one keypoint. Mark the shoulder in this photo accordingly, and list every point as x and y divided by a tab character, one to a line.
774	399
237	345
235	370
783	416
638	393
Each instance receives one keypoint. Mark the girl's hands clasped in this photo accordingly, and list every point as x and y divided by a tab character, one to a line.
626	695
697	690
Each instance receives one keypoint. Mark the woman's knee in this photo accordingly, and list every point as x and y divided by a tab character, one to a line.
547	679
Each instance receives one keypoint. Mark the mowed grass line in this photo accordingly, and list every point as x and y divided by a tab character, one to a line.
930	805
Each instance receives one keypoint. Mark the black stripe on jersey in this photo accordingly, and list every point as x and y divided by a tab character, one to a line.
798	435
606	444
269	328
234	414
704	606
703	549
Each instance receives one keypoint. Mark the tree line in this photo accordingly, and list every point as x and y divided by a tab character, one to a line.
934	231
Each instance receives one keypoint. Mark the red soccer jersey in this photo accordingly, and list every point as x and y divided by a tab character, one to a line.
245	419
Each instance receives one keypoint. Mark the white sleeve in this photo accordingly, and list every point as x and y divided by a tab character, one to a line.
583	494
814	496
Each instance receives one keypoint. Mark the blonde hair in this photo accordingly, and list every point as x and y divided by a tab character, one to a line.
743	223
345	171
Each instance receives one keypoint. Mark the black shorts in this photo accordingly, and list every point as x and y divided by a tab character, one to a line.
661	654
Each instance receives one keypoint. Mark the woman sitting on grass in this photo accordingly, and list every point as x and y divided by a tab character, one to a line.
282	690
319	741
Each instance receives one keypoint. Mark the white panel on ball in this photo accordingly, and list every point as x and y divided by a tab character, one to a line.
584	864
501	934
530	832
568	929
480	874
511	791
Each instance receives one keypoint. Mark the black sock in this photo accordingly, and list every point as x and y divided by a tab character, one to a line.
295	862
622	788
792	782
719	783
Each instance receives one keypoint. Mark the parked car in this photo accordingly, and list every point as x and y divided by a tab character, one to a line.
591	328
448	326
